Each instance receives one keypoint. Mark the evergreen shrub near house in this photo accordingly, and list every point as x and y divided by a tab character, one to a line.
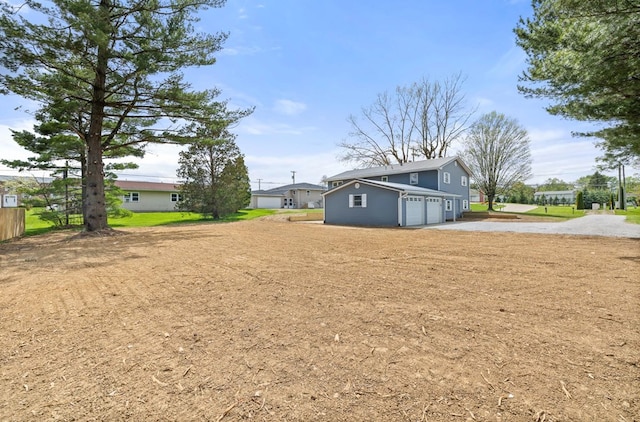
579	200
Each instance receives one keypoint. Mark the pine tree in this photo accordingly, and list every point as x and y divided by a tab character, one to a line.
215	177
111	70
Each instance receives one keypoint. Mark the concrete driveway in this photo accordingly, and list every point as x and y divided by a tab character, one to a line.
590	225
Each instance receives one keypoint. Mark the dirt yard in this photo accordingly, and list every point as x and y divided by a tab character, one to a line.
271	320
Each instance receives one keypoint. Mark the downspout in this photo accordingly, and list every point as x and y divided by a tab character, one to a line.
400	197
453	199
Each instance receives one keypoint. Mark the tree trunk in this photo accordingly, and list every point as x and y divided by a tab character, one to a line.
96	209
490	199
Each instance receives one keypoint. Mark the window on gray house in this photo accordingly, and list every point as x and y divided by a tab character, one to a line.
358	201
413	178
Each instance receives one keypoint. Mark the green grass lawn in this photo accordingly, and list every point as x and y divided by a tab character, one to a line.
149	219
561	211
36	226
633	214
552	211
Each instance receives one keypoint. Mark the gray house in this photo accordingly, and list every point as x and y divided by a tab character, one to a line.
297	195
411	194
548	197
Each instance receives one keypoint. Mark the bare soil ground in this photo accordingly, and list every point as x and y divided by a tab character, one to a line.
270	320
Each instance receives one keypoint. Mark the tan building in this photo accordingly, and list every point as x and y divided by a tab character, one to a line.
149	196
297	195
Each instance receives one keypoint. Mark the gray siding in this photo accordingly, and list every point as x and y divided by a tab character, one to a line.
381	209
455	186
426	179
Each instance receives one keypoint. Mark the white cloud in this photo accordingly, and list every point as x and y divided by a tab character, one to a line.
276	171
256	127
10	150
548	135
484	103
239	50
510	63
289	107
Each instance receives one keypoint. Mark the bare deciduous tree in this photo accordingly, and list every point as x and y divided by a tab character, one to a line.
497	151
421	120
443	115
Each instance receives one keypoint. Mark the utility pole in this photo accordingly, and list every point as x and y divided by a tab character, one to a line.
621	188
65	176
259	180
293	176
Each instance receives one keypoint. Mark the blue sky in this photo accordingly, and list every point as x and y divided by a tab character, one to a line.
307	65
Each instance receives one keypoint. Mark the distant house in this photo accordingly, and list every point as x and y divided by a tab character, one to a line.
15	197
476	195
549	197
410	194
149	196
297	195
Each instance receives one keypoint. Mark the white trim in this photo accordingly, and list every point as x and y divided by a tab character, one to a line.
363	200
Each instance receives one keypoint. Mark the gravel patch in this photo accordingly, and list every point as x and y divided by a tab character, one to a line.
590	225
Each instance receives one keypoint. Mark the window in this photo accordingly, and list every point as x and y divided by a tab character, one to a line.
308	193
336	184
384	179
446	177
465	204
449	205
176	197
413	178
131	197
463	180
358	201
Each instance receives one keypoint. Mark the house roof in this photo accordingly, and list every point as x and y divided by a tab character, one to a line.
555	192
398	187
286	188
432	164
5	178
147	186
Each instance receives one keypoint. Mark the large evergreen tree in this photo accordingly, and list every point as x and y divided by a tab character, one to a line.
585	57
111	71
59	150
215	179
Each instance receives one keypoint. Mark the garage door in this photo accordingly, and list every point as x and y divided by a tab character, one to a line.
269	202
434	210
415	210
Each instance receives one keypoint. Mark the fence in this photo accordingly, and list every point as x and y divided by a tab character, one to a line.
12	223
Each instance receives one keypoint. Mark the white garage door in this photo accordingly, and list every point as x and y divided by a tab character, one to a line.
269	202
434	210
415	210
